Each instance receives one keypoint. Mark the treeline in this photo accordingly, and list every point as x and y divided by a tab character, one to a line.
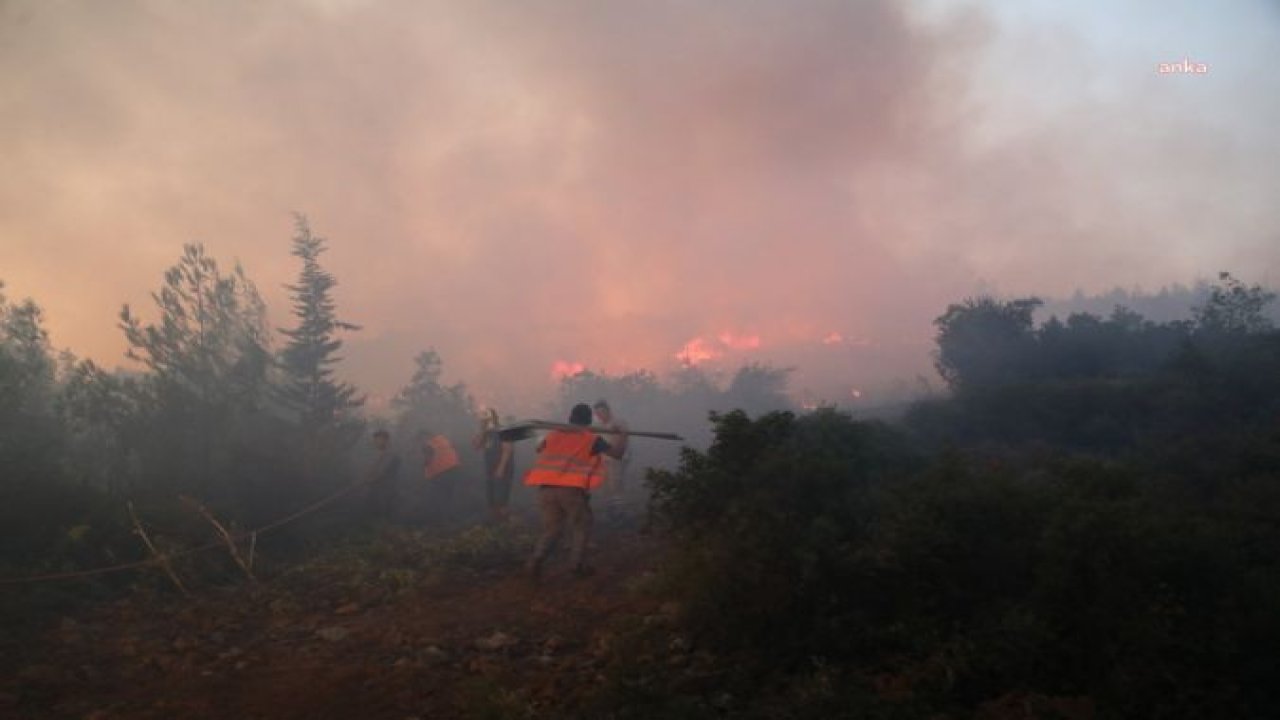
221	409
1086	527
1170	302
250	421
1104	384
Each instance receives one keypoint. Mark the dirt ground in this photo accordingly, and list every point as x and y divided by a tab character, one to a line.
332	640
399	625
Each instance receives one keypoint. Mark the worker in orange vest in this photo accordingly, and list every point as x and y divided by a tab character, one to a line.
440	469
567	469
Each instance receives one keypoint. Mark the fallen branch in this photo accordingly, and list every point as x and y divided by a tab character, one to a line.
227	537
161	559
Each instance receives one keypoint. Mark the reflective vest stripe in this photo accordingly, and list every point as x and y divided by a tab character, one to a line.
549	461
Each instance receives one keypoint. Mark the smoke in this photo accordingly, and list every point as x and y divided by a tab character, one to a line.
539	186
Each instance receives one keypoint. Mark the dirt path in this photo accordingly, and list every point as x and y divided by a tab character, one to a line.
471	641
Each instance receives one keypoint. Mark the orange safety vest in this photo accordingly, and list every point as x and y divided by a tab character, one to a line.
444	457
566	460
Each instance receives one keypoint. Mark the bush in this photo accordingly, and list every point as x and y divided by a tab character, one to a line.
974	575
765	522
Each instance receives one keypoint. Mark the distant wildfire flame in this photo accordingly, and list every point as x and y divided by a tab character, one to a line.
833	338
697	351
562	369
700	349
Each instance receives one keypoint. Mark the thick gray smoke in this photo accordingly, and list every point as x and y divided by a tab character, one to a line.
545	185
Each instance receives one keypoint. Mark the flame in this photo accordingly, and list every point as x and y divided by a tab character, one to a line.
562	369
701	349
856	394
833	338
697	351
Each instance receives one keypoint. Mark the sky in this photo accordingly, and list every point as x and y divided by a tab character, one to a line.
532	188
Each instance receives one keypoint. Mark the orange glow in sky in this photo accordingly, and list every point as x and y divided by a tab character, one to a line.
561	369
670	183
697	351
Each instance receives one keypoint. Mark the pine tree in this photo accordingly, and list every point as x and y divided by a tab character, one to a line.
29	435
309	387
211	338
208	364
425	402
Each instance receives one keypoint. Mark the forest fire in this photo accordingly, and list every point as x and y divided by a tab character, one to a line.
562	369
669	359
697	351
700	349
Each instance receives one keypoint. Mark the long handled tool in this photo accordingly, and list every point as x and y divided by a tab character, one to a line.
548	425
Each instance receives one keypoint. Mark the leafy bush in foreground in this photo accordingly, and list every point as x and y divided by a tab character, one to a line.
971	576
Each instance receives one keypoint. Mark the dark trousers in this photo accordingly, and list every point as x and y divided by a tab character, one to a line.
563	507
498	490
437	500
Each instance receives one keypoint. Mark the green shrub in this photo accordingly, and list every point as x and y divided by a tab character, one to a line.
976	575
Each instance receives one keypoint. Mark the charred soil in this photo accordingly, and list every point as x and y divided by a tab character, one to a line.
406	625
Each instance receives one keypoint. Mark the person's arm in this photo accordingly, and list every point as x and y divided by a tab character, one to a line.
516	434
623	439
604	447
501	469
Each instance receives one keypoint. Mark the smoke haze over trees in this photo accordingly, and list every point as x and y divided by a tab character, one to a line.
881	263
827	175
1079	520
253	422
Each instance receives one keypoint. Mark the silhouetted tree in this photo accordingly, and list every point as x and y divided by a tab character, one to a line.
1233	307
309	387
427	403
757	389
100	414
633	392
211	341
983	341
29	435
208	357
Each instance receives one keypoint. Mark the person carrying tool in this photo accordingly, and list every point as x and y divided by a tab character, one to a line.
567	469
499	465
615	469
